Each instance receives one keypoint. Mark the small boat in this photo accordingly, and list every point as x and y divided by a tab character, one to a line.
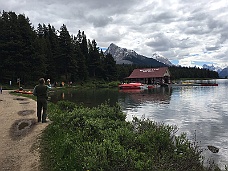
18	91
153	86
213	149
27	92
131	86
22	91
209	84
183	84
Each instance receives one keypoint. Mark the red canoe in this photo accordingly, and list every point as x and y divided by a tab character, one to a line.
131	86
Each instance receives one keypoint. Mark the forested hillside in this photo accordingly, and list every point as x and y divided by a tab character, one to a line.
30	53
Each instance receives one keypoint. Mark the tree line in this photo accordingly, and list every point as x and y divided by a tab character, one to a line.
191	72
29	53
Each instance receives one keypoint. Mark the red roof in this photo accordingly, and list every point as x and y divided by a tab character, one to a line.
150	73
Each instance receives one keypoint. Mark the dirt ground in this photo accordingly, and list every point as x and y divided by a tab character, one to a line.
19	133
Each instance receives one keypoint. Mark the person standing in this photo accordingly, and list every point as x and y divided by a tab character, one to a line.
1	89
49	83
41	92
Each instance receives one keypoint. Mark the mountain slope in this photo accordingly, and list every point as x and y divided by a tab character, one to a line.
212	68
125	56
224	73
162	59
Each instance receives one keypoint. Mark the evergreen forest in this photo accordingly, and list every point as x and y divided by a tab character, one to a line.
29	53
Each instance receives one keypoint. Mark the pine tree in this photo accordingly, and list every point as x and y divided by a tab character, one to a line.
40	57
94	59
110	68
82	73
9	45
84	48
67	62
53	53
18	47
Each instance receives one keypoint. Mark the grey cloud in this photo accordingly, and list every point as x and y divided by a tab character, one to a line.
223	36
198	30
197	27
107	7
170	54
123	4
215	24
186	43
212	48
105	36
170	28
221	59
100	21
222	56
198	16
163	17
160	42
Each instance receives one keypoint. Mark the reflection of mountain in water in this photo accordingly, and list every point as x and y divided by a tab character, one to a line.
134	97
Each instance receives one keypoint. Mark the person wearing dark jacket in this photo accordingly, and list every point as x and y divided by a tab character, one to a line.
41	92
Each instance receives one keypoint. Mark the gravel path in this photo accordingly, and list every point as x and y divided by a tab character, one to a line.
19	133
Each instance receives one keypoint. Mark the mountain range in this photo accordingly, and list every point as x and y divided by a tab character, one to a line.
126	56
222	72
212	68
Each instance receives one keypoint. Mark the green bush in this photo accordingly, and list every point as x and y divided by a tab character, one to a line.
99	139
114	84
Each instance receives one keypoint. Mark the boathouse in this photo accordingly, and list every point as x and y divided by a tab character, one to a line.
150	76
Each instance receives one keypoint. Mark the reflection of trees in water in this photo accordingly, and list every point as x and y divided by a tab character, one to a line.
95	97
87	97
132	99
157	95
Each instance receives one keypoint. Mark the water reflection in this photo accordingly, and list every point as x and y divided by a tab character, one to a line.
199	111
140	104
94	97
158	95
86	97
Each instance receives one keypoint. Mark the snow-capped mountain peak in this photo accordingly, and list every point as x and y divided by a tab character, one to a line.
212	68
118	53
162	59
126	56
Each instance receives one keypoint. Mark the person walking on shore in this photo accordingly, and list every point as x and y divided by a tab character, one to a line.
41	92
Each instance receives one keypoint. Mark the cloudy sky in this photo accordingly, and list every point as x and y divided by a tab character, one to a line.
187	32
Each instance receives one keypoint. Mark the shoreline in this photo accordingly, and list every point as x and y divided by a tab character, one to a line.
19	133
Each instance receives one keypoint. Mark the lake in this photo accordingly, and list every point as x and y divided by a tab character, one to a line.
199	111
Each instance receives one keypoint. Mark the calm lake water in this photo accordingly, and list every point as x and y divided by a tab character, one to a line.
199	111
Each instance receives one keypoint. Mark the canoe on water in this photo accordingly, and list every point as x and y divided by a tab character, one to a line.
22	91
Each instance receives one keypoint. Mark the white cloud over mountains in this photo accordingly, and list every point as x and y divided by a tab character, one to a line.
190	32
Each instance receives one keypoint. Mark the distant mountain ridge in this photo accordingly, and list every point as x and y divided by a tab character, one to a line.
222	72
125	56
212	68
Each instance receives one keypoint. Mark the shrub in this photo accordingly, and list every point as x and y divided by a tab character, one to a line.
99	139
